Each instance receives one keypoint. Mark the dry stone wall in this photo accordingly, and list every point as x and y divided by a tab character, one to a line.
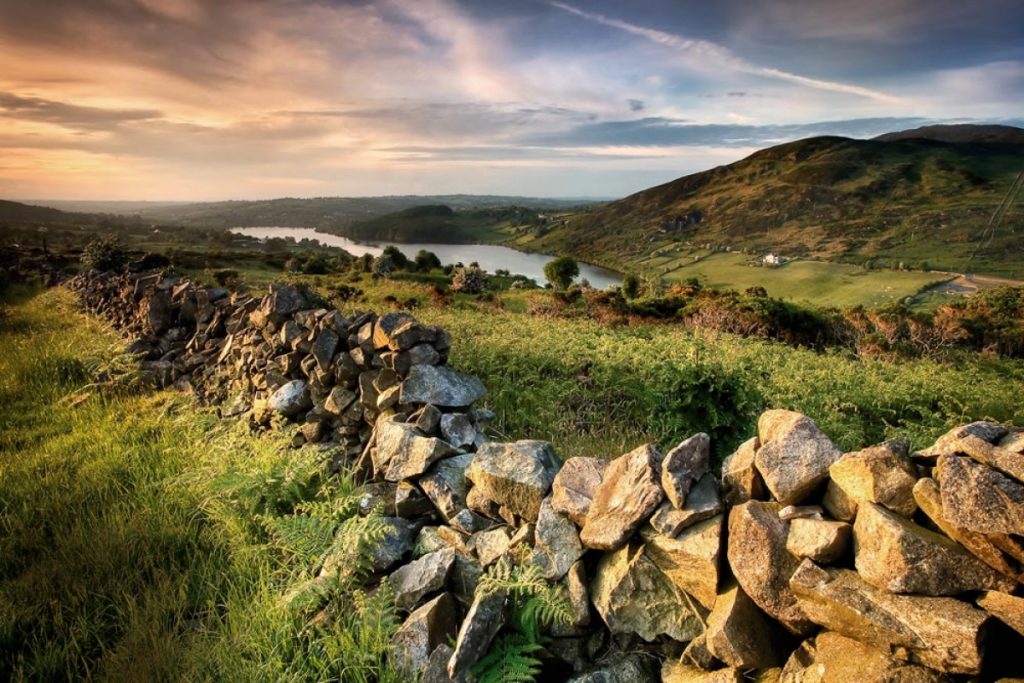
797	562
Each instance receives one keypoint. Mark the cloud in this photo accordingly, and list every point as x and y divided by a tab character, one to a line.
70	115
709	52
636	105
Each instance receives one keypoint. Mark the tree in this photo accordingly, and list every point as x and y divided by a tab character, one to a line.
561	271
426	261
631	286
469	280
383	265
397	257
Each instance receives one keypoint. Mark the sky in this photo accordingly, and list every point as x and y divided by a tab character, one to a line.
245	99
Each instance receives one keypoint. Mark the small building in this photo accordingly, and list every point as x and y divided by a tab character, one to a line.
773	260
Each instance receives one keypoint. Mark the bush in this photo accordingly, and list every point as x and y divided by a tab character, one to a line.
471	280
226	277
427	261
105	253
561	271
631	286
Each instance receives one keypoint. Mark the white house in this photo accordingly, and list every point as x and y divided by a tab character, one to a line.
773	260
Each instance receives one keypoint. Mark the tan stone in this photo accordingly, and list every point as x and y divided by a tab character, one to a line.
515	475
1008	609
978	498
629	493
402	453
941	633
683	466
833	658
673	671
838	504
1006	461
894	554
556	543
738	632
691	561
703	502
633	596
822	540
762	565
947	444
575	485
740	479
881	474
794	457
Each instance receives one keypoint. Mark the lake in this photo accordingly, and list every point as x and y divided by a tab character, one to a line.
491	257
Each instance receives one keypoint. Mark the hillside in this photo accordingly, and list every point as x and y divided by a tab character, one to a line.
16	213
438	223
917	201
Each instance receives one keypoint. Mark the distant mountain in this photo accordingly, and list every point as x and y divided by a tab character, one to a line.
439	223
904	198
322	212
18	213
960	134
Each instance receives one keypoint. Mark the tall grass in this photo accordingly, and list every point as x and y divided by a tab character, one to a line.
133	529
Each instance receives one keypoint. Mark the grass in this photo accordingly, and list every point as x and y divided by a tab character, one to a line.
143	538
133	528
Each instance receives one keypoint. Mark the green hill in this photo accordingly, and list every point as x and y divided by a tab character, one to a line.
439	223
913	200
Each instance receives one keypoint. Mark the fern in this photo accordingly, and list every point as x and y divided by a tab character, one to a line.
535	605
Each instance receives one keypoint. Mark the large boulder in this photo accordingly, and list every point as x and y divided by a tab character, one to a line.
485	617
633	596
762	565
894	554
421	577
978	498
738	632
516	476
941	633
403	453
575	486
683	466
446	486
629	493
833	658
881	474
441	386
291	399
794	457
429	627
691	560
703	502
929	500
556	543
1004	460
740	479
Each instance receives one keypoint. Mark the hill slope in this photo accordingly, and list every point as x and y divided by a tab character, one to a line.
438	223
912	200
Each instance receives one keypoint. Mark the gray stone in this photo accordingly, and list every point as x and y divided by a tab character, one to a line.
702	503
516	475
395	544
738	632
795	455
691	561
402	453
441	386
291	399
469	522
427	420
978	498
427	541
458	430
436	670
631	668
941	633
791	512
762	565
338	400
426	629
446	486
421	577
424	354
894	554
881	474
740	479
1013	441
683	466
629	493
388	324
410	502
324	346
465	577
485	617
556	543
575	485
633	596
